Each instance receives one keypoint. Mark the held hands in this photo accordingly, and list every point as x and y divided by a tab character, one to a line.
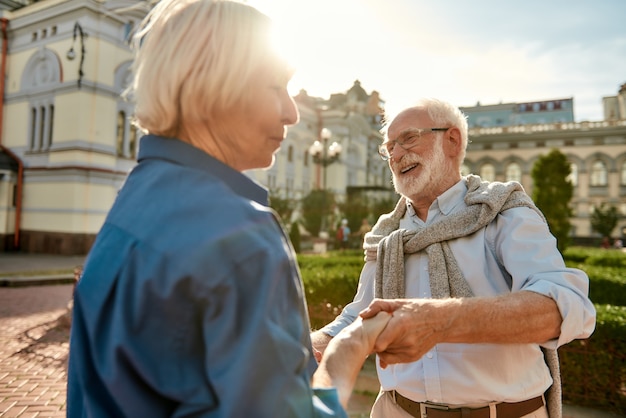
345	354
363	332
415	327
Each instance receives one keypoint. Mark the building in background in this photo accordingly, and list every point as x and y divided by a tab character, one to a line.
615	106
66	142
354	121
528	113
596	152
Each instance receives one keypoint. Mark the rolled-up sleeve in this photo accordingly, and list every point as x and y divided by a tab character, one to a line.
529	253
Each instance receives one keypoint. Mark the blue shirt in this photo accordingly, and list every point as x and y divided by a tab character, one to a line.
191	301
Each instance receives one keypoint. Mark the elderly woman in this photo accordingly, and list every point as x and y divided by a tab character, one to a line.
191	303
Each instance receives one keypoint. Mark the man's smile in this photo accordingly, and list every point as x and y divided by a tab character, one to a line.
408	168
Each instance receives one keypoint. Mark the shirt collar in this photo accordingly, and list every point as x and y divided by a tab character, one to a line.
445	202
182	153
452	197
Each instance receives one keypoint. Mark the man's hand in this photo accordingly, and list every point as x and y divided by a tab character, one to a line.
415	327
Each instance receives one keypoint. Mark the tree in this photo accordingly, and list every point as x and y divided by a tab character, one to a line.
283	207
355	209
294	236
315	205
552	193
604	219
382	206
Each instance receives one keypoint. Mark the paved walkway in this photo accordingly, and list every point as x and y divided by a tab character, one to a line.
34	342
33	351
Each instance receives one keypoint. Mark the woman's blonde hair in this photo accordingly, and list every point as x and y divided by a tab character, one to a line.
194	59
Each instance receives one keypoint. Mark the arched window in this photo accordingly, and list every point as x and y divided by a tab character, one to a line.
42	75
513	172
488	172
573	175
598	174
306	158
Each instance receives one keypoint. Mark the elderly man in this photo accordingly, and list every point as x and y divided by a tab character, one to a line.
480	295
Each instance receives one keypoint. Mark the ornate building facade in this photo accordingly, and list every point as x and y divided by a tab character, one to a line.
66	143
596	152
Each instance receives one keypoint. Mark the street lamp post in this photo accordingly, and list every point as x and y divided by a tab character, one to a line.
324	155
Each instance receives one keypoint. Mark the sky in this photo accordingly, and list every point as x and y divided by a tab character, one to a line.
462	51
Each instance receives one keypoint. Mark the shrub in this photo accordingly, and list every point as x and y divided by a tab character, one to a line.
593	370
330	282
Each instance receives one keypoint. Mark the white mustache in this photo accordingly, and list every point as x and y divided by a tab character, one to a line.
406	160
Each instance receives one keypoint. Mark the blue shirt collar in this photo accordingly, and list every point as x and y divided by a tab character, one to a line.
182	153
452	197
446	202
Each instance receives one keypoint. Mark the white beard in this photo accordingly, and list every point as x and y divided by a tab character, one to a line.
433	168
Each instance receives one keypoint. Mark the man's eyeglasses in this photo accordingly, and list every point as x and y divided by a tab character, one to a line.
410	140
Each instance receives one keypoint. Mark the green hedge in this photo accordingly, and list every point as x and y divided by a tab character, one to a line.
593	370
330	282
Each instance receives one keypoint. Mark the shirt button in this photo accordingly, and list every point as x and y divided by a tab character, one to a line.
429	355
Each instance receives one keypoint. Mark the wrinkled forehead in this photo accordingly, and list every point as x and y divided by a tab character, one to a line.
407	120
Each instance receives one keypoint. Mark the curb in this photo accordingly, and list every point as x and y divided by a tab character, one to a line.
23	281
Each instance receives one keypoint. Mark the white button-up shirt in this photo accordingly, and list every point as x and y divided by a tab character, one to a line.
460	374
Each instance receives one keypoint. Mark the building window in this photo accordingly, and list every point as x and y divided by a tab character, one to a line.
127	135
121	130
598	174
40	79
488	172
465	170
306	158
33	129
41	124
513	172
573	175
290	154
623	174
132	143
50	125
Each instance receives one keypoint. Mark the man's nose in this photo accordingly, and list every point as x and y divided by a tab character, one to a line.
397	152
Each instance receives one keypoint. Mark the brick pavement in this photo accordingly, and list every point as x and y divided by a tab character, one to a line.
34	344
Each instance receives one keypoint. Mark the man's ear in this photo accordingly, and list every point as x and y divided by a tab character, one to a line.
453	142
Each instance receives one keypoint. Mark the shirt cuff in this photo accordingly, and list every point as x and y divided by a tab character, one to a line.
326	403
